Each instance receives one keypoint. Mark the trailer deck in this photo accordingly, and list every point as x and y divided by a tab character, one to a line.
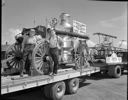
16	83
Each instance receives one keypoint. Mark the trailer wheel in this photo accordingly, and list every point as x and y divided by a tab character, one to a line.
57	90
114	71
72	86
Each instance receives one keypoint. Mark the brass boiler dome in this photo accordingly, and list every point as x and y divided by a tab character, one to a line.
64	17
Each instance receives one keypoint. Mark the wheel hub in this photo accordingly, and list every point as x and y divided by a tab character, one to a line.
118	71
74	84
19	56
59	89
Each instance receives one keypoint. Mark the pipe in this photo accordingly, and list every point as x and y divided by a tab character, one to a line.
71	34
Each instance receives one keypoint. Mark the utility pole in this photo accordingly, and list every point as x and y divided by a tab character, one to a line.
46	22
34	21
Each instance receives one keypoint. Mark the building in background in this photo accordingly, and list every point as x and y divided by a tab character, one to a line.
3	50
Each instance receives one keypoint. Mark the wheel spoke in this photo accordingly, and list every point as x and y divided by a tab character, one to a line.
15	66
15	48
14	62
39	68
43	65
10	64
13	51
38	61
11	60
40	51
40	65
38	54
10	55
36	58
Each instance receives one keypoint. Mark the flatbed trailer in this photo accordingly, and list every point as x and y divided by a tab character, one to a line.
11	84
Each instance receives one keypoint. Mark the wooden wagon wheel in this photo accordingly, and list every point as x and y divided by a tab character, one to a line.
79	56
14	57
77	61
39	52
92	54
81	59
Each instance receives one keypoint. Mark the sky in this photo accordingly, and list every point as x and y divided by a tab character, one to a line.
99	16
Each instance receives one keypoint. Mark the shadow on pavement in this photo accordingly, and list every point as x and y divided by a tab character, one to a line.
28	94
98	76
82	84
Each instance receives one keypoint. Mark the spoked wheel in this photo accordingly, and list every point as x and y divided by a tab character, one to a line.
86	62
92	53
77	61
81	61
85	58
14	57
38	56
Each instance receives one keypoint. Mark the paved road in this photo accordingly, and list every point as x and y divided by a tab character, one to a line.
96	87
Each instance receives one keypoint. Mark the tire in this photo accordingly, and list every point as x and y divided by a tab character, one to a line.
57	91
72	85
114	71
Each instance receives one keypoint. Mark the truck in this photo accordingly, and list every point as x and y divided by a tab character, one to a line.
111	60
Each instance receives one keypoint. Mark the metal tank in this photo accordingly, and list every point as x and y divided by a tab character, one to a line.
67	40
67	47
